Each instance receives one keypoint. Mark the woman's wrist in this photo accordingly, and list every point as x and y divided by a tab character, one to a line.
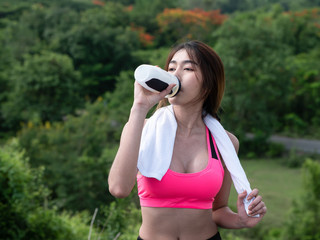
240	223
139	110
226	218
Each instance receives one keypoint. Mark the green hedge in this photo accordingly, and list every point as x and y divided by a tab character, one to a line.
23	211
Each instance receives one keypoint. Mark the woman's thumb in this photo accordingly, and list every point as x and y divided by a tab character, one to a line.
242	196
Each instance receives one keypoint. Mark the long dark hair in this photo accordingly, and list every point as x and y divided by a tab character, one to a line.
212	71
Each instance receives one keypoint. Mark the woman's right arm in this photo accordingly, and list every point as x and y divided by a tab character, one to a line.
122	175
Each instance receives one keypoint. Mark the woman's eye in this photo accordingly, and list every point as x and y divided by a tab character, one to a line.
171	69
188	69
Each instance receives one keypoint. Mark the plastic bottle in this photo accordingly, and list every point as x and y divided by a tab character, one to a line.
156	79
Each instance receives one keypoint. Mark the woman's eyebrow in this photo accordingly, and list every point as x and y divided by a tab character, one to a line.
184	62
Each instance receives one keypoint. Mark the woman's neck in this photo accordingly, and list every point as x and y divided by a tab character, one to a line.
189	120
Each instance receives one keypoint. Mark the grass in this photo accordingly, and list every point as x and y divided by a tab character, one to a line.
278	185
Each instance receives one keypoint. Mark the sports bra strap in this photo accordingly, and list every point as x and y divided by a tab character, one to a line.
213	151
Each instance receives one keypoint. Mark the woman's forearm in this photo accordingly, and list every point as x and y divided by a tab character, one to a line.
224	217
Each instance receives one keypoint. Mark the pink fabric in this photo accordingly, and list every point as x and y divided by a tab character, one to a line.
183	190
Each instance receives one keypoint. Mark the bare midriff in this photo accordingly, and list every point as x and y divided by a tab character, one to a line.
177	223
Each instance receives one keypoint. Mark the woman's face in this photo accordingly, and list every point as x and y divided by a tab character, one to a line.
189	74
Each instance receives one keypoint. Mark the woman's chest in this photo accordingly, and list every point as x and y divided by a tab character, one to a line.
189	155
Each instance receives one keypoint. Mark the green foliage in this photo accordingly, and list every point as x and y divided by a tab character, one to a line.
258	146
155	57
278	185
304	94
5	62
231	6
294	159
23	211
259	53
22	35
304	219
268	54
177	25
97	38
48	224
11	11
256	76
299	30
58	21
119	102
44	88
55	54
144	12
122	219
85	145
76	162
100	46
19	184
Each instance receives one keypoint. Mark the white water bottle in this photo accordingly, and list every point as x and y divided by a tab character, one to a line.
156	79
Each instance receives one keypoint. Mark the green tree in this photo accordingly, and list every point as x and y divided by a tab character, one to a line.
303	113
177	25
300	29
12	10
100	46
261	52
85	145
251	48
23	35
44	88
5	64
153	56
231	6
144	13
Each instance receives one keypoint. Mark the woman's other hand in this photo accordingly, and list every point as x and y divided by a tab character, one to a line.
257	206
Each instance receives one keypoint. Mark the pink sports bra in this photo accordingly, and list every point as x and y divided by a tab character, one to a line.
184	190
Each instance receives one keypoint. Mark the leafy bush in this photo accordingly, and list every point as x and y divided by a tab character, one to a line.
304	219
122	218
23	211
77	153
258	145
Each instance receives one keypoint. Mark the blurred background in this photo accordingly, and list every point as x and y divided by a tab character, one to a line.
66	88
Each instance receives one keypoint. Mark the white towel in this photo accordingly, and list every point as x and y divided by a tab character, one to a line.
157	141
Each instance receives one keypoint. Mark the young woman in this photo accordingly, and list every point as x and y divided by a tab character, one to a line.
190	201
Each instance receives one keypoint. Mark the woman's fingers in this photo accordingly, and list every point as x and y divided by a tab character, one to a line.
257	206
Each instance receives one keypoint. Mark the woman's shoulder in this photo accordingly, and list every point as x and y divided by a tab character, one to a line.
234	140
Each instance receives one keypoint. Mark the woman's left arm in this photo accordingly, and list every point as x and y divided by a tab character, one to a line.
223	216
